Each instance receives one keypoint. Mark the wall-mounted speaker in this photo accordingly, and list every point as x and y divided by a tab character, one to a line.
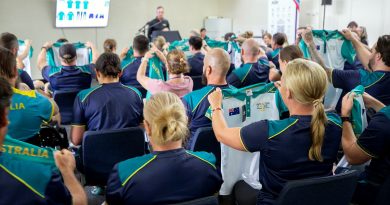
326	2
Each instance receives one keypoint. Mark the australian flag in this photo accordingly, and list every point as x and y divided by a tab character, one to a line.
297	4
234	111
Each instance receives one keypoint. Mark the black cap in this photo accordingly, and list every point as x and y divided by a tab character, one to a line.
68	51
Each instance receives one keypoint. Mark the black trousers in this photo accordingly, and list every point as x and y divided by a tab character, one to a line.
244	194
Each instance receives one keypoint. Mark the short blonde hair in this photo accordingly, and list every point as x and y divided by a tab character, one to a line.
159	42
307	81
177	62
165	113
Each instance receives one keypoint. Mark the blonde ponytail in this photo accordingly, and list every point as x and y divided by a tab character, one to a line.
307	82
166	116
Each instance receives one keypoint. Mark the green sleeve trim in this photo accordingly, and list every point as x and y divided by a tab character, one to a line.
54	70
130	167
368	79
364	149
194	98
135	90
243	72
386	111
83	95
276	127
334	118
209	158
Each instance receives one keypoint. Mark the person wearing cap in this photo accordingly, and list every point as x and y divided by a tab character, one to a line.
68	76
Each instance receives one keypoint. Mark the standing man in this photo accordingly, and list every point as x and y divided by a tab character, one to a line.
159	23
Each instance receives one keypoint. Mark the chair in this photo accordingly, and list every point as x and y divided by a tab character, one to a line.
205	140
65	101
335	190
197	82
210	200
101	150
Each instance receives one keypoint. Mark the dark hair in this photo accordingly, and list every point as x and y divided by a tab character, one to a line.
267	34
290	53
383	48
109	45
228	36
62	40
108	64
7	64
5	100
9	41
202	29
352	24
159	7
196	42
141	44
279	38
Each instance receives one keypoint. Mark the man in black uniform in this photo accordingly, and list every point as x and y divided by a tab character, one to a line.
159	23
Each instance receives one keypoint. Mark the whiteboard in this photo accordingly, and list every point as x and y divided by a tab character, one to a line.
218	27
282	17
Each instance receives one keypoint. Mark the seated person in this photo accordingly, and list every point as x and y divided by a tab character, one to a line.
278	40
216	65
286	55
24	179
129	72
177	65
375	79
196	61
305	145
267	38
254	70
28	109
109	46
68	76
170	174
10	42
160	43
110	105
373	144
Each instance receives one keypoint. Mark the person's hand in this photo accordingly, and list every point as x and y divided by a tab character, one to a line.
215	98
153	48
149	55
307	36
166	46
28	43
124	51
65	161
371	102
346	105
349	35
88	44
48	44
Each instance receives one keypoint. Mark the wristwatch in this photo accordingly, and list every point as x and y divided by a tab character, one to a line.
345	119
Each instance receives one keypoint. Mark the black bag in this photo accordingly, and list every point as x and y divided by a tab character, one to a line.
53	136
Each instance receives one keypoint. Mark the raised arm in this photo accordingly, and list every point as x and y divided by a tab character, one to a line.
362	52
224	134
124	53
95	53
307	36
42	61
23	55
66	164
141	73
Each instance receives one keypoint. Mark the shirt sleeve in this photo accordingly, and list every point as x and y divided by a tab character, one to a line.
46	107
345	79
92	70
374	139
78	112
25	78
46	72
188	109
154	86
254	136
114	188
233	80
56	192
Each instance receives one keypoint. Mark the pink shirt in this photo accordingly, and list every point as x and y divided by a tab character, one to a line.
155	86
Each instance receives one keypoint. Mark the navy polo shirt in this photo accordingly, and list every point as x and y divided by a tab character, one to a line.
274	57
69	77
26	79
26	179
375	141
165	177
196	105
108	106
284	146
375	83
250	74
129	73
196	64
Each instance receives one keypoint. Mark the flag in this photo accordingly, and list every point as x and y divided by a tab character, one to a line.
297	4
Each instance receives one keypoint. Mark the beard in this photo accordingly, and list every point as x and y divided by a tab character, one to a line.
204	79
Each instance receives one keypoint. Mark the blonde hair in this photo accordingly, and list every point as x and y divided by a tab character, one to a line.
109	45
165	113
159	42
307	82
177	62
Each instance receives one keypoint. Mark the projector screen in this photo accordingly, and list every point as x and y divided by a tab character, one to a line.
82	13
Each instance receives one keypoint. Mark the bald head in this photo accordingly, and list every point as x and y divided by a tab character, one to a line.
219	60
251	47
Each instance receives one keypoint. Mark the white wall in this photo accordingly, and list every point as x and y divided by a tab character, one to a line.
35	19
373	14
